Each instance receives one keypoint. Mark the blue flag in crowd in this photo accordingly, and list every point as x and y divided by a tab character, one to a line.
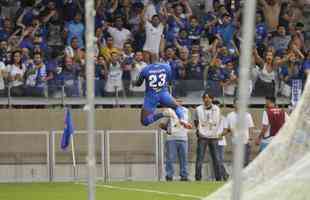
68	130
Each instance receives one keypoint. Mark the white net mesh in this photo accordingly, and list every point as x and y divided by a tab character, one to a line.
281	171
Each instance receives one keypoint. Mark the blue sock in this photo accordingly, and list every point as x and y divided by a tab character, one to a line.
151	118
180	112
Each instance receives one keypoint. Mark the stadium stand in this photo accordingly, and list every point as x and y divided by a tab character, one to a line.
42	60
42	48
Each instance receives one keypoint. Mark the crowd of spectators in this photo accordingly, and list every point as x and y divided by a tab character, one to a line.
42	46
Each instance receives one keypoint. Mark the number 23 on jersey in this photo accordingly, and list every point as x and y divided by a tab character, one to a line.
157	81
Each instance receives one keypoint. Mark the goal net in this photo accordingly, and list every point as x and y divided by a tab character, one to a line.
281	171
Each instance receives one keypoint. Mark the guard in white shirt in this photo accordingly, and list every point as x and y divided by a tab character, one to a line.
176	144
230	127
207	121
221	146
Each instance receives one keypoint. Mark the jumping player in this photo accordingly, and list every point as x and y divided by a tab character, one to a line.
157	77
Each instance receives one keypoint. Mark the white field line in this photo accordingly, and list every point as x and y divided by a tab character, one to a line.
147	191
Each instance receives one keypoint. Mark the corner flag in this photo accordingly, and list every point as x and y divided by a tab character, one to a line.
68	130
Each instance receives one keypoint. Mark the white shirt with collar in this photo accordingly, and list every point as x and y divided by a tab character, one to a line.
114	80
231	123
222	142
153	37
119	36
208	121
176	130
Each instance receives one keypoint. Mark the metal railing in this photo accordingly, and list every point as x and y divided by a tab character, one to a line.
23	155
58	164
73	153
107	149
61	95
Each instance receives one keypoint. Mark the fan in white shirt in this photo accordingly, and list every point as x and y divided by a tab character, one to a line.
119	33
114	79
154	35
3	75
138	65
16	70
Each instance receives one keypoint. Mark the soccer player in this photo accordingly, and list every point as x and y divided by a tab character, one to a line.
157	77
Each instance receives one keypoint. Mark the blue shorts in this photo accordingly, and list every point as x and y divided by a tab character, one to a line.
152	100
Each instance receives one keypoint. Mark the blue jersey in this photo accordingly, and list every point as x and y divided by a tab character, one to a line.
157	77
261	33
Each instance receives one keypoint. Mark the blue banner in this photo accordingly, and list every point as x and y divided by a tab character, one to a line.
296	91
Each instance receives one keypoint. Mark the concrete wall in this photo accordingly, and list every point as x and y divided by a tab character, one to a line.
45	119
23	157
140	172
31	148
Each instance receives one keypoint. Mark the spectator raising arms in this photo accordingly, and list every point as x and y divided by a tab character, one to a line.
75	28
266	81
197	46
154	36
271	10
119	33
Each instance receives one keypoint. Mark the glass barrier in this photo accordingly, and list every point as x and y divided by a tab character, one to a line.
24	161
135	157
123	93
72	159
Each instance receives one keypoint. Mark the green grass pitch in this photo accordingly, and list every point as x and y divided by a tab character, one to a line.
112	191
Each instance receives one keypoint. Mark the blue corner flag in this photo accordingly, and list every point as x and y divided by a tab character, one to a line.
68	130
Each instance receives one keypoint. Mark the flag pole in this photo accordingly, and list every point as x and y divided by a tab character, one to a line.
73	157
90	74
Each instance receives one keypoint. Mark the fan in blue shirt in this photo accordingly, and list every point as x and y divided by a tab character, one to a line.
261	29
194	29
